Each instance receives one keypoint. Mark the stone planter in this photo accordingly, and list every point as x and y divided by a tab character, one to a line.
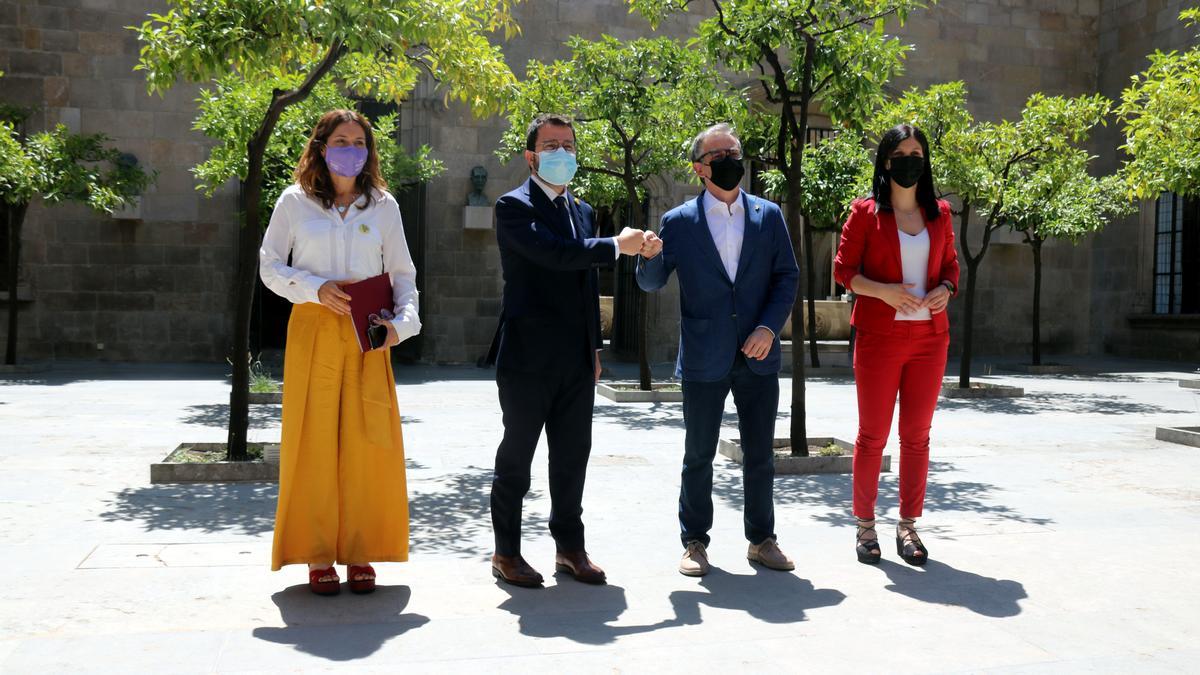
1190	384
266	397
23	368
1182	435
833	320
628	392
831	353
787	464
170	471
1041	369
950	389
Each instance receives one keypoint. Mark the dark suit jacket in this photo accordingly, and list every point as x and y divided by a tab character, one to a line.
717	314
870	246
551	314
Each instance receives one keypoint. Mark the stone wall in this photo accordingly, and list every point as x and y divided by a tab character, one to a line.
154	289
159	288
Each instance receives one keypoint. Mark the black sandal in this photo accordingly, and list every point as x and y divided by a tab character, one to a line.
867	543
908	544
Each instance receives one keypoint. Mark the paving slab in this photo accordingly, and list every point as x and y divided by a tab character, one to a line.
1057	526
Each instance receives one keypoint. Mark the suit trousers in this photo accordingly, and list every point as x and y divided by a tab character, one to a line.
909	360
757	400
561	402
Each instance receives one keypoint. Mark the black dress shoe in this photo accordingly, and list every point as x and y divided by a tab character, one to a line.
577	564
514	570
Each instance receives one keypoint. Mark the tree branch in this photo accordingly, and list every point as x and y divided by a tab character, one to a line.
855	22
602	170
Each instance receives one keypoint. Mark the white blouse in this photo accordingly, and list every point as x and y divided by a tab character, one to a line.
326	247
914	259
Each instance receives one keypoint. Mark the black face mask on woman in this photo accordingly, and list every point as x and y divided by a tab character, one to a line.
907	170
727	173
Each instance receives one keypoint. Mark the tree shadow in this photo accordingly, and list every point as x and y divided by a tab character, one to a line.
1036	404
575	611
940	584
639	416
766	595
341	628
217	415
452	514
834	491
247	508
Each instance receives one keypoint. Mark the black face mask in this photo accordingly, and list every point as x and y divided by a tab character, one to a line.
727	173
907	170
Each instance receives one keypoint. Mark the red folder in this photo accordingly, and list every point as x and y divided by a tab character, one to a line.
368	297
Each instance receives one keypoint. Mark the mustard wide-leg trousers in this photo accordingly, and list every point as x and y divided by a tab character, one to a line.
342	493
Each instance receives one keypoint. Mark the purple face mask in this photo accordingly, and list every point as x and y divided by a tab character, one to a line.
346	161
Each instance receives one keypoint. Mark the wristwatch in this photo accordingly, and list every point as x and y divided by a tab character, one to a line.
950	286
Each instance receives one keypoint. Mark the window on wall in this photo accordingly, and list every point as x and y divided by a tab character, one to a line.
1176	255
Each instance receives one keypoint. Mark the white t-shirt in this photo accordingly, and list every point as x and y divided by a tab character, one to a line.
914	258
325	246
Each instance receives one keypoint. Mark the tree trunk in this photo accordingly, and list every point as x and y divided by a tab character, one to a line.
638	218
15	214
799	428
964	365
810	292
1037	301
249	240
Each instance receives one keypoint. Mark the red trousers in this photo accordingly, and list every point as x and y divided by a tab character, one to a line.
909	360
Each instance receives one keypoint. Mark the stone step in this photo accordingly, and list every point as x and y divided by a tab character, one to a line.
833	354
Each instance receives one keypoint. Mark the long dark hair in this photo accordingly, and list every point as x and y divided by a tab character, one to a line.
881	185
313	174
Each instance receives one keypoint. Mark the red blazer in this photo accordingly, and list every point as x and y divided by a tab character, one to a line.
871	246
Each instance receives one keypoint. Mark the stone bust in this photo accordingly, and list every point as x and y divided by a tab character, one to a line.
479	178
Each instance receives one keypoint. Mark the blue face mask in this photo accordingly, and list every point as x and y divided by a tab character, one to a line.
557	167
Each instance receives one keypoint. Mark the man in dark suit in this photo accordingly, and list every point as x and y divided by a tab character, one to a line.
737	282
547	348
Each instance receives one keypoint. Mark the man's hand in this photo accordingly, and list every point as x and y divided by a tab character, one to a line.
597	367
630	241
758	344
332	296
937	299
652	247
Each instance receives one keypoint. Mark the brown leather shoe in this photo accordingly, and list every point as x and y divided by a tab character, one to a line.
514	570
579	566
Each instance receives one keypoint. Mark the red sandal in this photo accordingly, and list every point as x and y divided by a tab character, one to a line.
360	585
331	587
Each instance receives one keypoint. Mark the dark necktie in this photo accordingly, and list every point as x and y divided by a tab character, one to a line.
564	215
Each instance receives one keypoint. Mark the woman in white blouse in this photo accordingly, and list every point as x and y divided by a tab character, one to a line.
342	494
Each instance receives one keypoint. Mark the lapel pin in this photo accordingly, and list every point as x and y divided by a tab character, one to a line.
364	228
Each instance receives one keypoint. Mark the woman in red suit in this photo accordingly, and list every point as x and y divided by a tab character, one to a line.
897	256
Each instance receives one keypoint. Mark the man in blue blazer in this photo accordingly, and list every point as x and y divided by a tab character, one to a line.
737	282
546	348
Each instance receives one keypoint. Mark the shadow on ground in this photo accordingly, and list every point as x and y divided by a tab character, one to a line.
342	628
1036	404
832	492
940	584
217	415
451	513
578	612
247	508
766	595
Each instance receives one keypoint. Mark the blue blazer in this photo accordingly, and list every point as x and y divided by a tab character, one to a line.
551	312
717	314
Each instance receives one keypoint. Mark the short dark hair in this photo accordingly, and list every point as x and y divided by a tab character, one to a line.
881	184
542	120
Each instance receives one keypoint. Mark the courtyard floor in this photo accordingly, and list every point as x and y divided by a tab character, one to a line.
1063	538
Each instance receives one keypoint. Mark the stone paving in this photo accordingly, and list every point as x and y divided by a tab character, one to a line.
1063	539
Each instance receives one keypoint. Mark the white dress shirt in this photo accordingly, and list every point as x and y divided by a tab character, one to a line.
325	246
727	223
552	194
914	259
